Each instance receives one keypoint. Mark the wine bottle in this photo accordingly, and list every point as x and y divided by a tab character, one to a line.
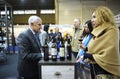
46	51
62	50
69	55
54	50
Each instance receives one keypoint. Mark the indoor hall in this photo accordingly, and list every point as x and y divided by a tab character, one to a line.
14	16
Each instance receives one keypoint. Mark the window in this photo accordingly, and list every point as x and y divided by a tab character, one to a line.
24	12
3	12
47	11
30	12
18	12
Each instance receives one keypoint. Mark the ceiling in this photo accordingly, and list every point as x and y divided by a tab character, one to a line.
31	4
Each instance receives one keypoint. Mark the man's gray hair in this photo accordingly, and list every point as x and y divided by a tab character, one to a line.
33	19
78	20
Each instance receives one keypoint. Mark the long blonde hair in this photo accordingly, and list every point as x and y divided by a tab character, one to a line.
104	15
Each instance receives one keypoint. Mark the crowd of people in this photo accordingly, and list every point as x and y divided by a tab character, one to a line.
96	45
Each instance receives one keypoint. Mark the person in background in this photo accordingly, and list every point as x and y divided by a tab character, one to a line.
44	35
57	36
103	48
29	52
86	37
77	31
66	37
51	34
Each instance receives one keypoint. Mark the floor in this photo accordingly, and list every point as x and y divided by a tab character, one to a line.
8	69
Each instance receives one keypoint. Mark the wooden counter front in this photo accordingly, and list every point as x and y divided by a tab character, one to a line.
57	69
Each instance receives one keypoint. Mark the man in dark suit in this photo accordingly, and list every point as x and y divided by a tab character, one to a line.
29	49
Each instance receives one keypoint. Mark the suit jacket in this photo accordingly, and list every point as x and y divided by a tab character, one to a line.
29	54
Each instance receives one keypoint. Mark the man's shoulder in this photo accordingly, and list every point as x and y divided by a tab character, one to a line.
25	33
43	32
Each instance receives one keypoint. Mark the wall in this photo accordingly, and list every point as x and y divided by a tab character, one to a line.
114	5
88	7
67	10
23	19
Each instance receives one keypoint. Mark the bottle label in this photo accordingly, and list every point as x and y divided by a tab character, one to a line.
62	53
54	51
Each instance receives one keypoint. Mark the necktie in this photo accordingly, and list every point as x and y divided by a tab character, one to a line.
37	38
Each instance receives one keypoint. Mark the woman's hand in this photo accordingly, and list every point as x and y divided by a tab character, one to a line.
82	46
80	59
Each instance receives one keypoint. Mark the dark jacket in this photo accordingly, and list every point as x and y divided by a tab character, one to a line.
29	55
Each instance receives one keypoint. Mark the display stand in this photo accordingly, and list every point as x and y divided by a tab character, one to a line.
6	22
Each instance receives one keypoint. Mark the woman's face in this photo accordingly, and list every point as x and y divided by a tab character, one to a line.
86	28
94	20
